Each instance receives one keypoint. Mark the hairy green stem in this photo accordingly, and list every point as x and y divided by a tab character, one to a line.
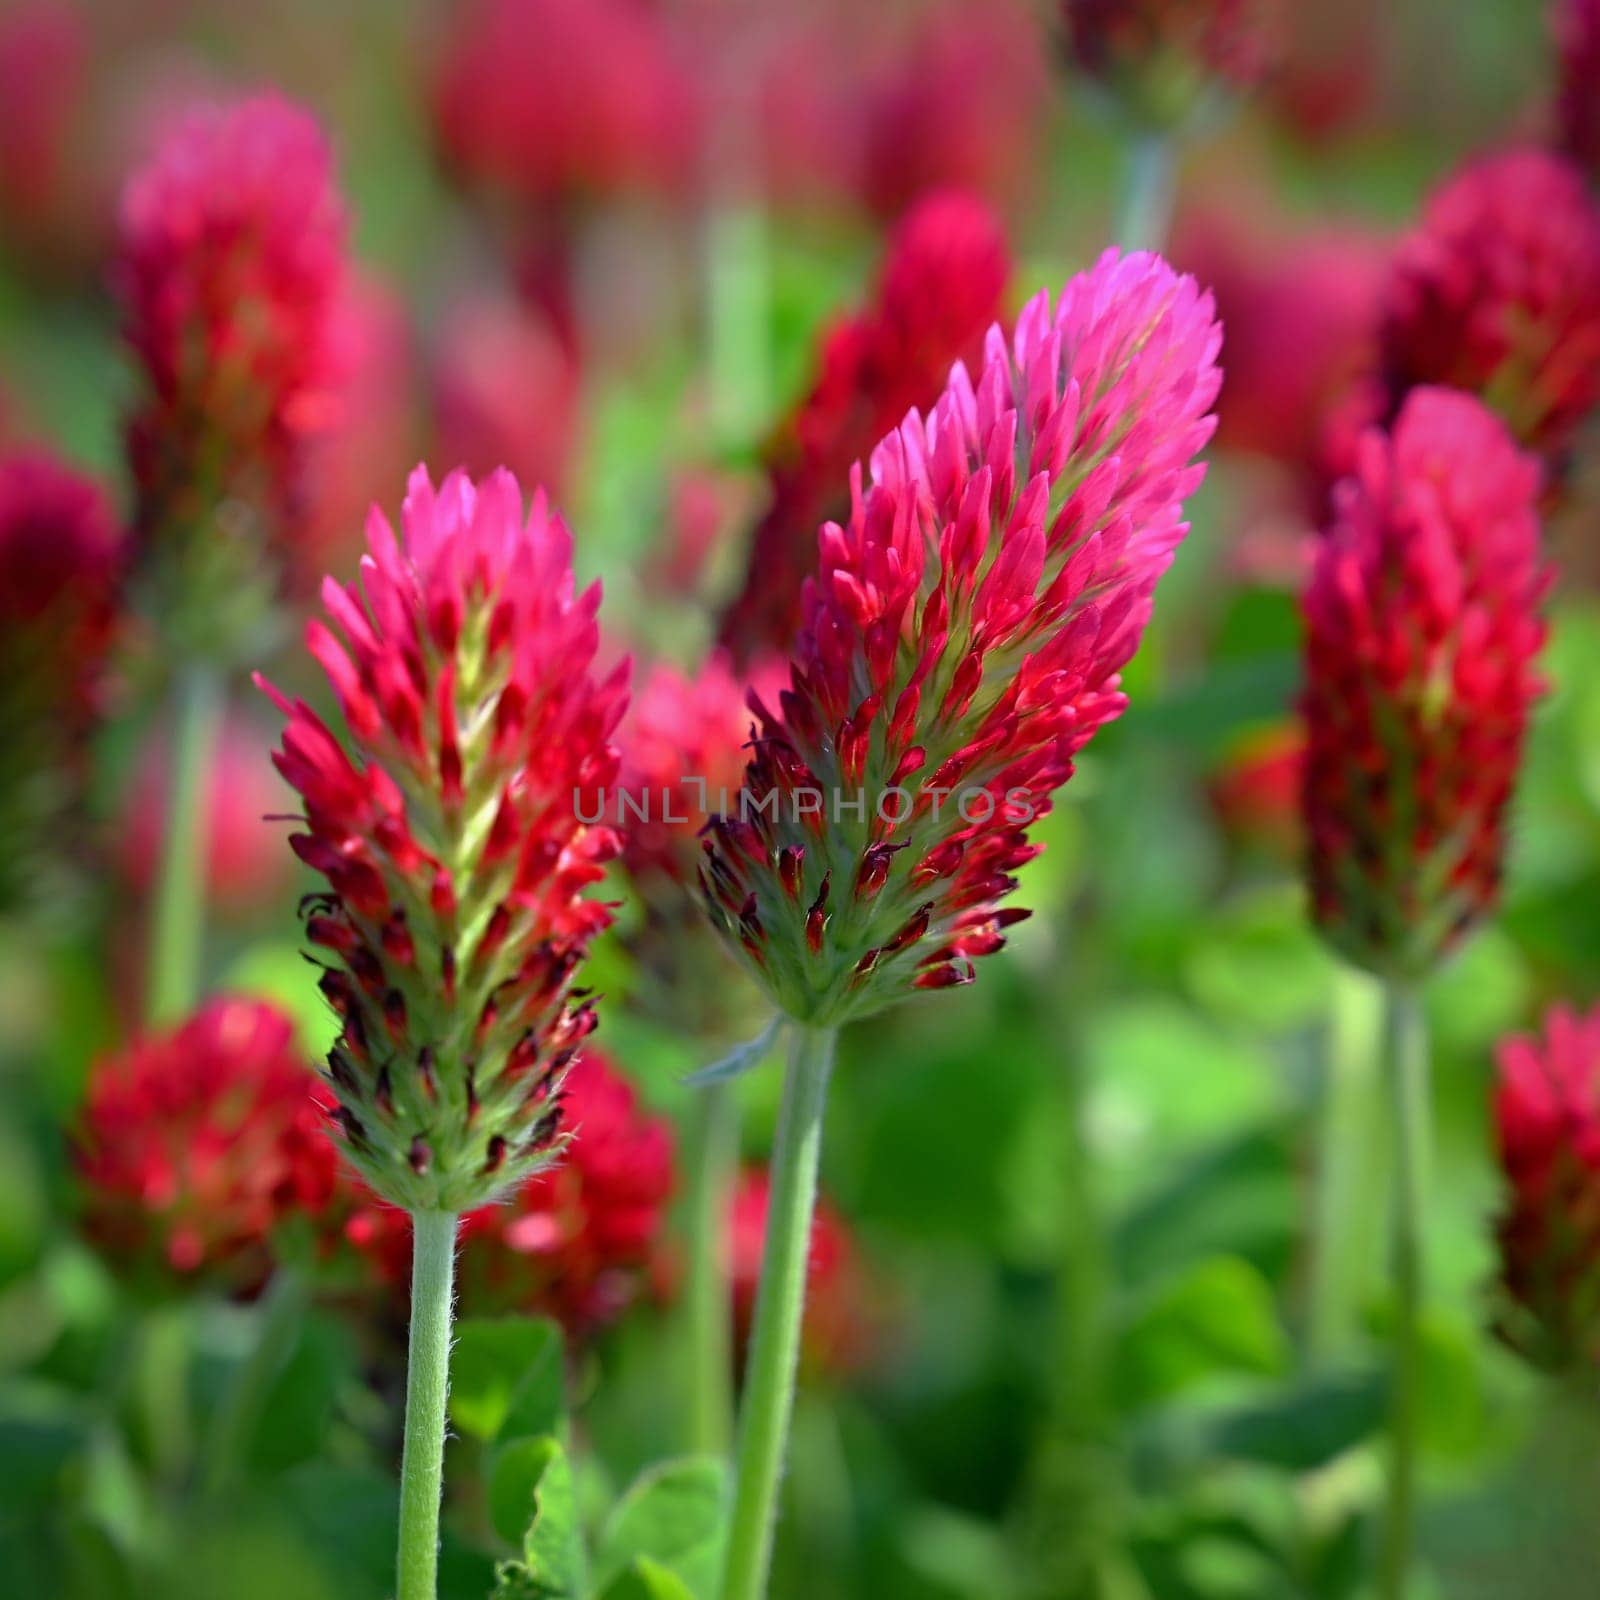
780	1302
178	914
427	1387
708	1306
1144	216
244	1401
1405	1065
1347	1186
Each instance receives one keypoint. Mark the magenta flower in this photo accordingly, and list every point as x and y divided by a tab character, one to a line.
1423	629
230	266
1577	32
962	641
447	826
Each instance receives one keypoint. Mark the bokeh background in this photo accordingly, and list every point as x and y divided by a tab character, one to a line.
1074	1349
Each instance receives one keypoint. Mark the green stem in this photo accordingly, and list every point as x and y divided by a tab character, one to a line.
178	915
708	1321
780	1301
736	319
1145	214
240	1412
427	1386
1347	1182
1405	1064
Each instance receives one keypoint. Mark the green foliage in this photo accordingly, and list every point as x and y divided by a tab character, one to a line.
532	1500
674	1517
506	1378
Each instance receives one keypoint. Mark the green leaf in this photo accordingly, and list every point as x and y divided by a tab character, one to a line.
645	1579
532	1500
738	1060
1307	1426
1218	1318
506	1378
674	1515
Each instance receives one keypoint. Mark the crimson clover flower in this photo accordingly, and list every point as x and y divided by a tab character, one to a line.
1497	291
230	267
1422	632
962	642
446	822
199	1142
1577	34
1547	1124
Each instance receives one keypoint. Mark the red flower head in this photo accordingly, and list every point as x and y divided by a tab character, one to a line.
230	267
199	1143
1577	30
246	864
60	563
962	642
579	1241
956	102
1256	791
1163	58
450	836
1547	1117
939	290
505	391
835	1332
1423	625
558	101
1497	292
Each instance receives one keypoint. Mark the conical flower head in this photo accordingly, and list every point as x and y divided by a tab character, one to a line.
230	267
1577	37
962	642
1422	631
1163	59
939	291
1497	291
198	1143
1547	1122
448	827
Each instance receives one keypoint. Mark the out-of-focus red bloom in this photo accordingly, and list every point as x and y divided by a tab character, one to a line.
955	99
559	100
1547	1120
1162	58
44	73
1256	790
963	640
230	268
580	1241
835	1334
246	863
447	826
61	554
1301	315
1423	629
1497	291
940	288
1577	32
682	759
505	391
1326	80
374	439
197	1144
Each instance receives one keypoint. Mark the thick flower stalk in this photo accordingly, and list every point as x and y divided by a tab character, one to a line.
1547	1123
1497	291
1422	633
61	553
199	1143
1577	36
939	290
447	828
962	642
581	1241
230	265
1163	59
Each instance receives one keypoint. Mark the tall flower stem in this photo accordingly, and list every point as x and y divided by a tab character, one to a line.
1347	1195
178	916
708	1320
1145	212
1405	1066
780	1301
427	1386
